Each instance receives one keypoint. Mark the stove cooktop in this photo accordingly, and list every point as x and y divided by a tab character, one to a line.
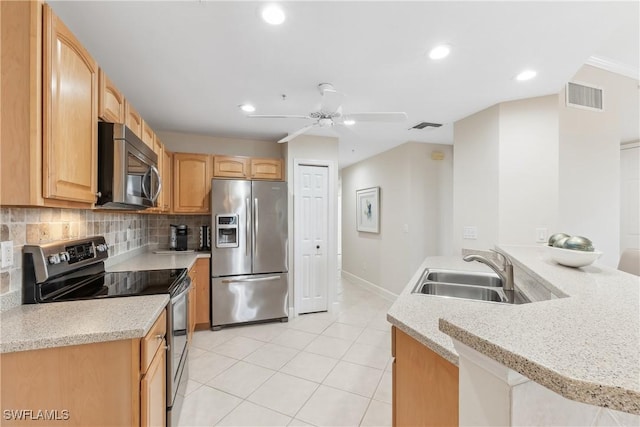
86	284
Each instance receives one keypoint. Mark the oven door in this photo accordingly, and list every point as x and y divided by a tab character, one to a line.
142	179
178	322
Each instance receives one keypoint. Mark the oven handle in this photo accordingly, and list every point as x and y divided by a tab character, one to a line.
255	279
183	292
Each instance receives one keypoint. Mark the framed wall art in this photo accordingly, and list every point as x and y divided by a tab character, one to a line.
368	210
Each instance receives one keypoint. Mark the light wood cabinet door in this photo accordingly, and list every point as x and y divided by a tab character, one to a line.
270	169
425	385
70	128
193	274
132	119
110	100
167	180
148	137
191	183
153	394
203	300
231	167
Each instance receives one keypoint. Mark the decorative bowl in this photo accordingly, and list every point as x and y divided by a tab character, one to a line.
573	258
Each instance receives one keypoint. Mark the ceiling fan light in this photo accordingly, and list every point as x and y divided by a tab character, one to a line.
247	108
273	14
440	52
349	122
526	75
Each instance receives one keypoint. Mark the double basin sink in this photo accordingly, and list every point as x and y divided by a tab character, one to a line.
466	285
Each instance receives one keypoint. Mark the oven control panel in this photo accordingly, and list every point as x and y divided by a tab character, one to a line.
80	252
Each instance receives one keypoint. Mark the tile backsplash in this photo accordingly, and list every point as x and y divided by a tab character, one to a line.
123	232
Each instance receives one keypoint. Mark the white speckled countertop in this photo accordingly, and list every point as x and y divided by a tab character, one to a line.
151	261
38	326
585	347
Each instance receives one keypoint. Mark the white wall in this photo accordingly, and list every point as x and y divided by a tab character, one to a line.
414	199
589	156
528	165
321	149
192	143
475	178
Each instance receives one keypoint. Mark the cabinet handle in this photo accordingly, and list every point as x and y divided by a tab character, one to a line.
160	336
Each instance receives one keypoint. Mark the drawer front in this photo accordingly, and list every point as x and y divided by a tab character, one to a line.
154	339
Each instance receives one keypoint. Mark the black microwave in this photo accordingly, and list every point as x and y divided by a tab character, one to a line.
128	176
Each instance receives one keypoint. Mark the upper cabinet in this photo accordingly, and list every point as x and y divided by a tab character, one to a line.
230	167
270	169
191	182
148	137
247	168
70	128
110	100
132	119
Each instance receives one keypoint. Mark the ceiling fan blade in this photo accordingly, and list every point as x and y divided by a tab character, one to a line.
296	133
276	116
331	101
377	117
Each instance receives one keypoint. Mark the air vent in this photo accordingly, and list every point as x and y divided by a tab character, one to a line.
423	125
586	97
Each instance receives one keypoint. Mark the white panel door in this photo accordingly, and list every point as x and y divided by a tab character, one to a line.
311	210
630	197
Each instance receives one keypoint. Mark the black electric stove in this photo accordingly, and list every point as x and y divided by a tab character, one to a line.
74	270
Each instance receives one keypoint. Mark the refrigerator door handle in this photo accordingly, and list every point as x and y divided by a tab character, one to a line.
255	225
256	279
247	227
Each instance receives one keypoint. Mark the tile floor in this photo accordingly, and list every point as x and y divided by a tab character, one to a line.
322	369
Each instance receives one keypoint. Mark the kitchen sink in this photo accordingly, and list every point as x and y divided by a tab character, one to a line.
462	291
466	285
462	277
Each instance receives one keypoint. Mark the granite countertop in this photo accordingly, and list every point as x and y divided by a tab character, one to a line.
153	261
585	347
38	326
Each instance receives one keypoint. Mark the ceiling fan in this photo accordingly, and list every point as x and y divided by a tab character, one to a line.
330	114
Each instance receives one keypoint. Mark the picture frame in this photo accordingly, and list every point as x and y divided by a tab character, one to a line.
368	210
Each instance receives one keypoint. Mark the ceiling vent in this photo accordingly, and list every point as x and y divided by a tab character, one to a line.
585	97
423	125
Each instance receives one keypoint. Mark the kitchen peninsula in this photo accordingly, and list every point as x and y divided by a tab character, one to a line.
581	342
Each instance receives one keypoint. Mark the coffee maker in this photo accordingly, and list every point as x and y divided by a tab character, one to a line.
178	237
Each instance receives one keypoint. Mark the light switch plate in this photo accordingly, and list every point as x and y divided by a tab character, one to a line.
541	235
470	232
6	248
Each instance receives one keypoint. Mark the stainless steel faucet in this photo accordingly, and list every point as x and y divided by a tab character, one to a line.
505	271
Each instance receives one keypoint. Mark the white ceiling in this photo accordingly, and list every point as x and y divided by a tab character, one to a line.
187	65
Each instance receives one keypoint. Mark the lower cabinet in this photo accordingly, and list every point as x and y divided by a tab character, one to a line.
425	385
203	307
193	298
98	384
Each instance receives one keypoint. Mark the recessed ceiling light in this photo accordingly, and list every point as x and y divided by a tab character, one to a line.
273	14
247	108
349	122
439	52
526	75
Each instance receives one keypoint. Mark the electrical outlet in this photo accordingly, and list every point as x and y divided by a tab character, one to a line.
6	248
541	235
470	232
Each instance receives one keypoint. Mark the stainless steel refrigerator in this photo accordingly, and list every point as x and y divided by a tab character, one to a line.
249	251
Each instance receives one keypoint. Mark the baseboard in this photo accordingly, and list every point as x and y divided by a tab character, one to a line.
384	293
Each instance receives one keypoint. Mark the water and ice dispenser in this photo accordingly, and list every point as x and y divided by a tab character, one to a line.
227	231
